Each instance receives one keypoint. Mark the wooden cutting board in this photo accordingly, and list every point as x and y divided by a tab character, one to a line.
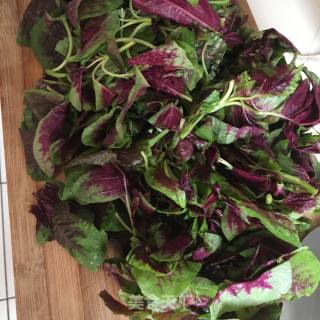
49	283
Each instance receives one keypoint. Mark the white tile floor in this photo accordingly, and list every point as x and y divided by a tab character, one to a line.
7	292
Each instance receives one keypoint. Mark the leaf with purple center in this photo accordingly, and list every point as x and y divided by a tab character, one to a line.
168	118
278	224
49	130
95	133
159	181
103	184
173	249
233	222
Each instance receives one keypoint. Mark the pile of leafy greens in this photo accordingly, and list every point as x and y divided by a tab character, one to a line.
181	137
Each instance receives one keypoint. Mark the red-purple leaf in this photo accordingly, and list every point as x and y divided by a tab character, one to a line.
258	182
115	305
302	107
75	93
50	129
232	222
168	118
185	184
200	254
72	12
182	12
299	202
213	197
47	199
184	149
174	248
173	60
162	82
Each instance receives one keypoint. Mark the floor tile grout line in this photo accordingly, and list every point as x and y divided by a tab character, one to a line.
10	298
3	228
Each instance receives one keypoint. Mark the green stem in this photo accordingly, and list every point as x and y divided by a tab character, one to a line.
144	43
65	61
124	224
99	65
226	163
190	126
57	75
157	138
145	158
220	2
127	75
126	46
203	58
295	180
140	27
133	22
133	12
95	62
228	93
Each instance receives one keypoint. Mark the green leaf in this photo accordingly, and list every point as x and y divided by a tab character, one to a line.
271	312
110	223
193	2
41	101
140	85
184	35
167	286
35	10
214	130
33	169
213	49
279	225
306	275
93	158
212	242
44	38
104	27
95	8
43	235
268	288
159	181
62	46
72	175
203	287
83	241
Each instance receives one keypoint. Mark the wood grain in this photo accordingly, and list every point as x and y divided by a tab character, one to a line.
49	284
